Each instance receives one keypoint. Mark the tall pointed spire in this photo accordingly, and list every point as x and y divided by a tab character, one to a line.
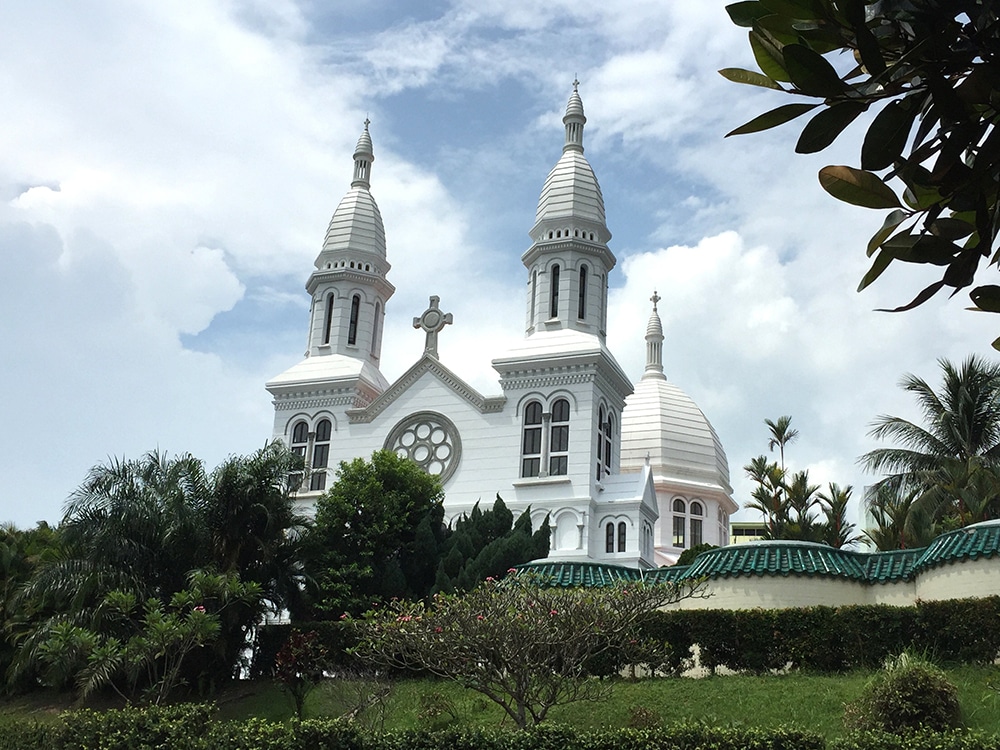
654	343
363	158
574	120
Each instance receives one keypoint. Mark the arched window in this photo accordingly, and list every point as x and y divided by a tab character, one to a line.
534	286
352	329
328	319
559	439
621	536
680	523
300	438
554	292
600	444
609	538
531	443
696	524
378	314
321	455
581	311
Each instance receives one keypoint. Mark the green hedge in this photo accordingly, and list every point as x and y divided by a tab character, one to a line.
825	639
188	727
957	740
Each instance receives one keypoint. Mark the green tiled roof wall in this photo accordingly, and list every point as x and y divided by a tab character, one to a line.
791	558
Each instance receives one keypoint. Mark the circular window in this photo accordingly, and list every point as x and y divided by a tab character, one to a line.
430	440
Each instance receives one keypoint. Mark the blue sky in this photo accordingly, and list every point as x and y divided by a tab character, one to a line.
168	171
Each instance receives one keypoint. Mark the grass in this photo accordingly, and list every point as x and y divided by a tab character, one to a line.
804	701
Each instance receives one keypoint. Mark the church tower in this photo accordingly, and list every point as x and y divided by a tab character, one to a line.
349	291
569	261
565	388
349	288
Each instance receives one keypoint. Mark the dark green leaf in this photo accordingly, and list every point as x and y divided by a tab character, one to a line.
779	28
920	299
996	344
857	187
822	40
768	58
882	261
738	75
887	135
922	249
773	118
987	298
804	9
745	13
869	49
823	129
810	72
962	270
951	229
892	221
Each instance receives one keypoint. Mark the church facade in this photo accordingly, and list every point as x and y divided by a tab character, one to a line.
627	474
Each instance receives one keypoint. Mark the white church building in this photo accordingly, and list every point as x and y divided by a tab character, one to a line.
629	474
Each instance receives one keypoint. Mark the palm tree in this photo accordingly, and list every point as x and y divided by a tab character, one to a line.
951	463
143	526
836	531
769	496
781	435
802	499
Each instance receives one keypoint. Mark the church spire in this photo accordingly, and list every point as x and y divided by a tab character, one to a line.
363	158
569	259
349	286
654	343
574	120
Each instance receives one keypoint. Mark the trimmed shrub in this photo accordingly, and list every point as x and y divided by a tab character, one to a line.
910	693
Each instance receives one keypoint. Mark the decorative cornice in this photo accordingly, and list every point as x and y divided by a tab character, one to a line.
427	364
549	380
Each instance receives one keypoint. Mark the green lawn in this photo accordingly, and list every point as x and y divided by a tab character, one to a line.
813	702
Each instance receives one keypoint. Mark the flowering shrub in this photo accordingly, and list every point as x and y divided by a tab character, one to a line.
522	645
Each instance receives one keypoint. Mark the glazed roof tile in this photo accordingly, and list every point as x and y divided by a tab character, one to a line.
785	558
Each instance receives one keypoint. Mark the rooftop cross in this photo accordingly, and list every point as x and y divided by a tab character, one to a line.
654	299
432	321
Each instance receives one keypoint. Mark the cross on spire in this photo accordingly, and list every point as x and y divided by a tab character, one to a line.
654	299
432	321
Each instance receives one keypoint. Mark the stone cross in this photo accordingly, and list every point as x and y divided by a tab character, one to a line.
654	299
432	321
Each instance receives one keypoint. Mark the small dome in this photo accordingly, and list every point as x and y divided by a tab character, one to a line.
574	107
571	190
661	421
356	226
364	147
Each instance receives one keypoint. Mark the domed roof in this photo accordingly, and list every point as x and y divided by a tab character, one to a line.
571	190
356	225
662	422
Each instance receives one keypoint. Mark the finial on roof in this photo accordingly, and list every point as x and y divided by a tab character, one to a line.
576	82
364	155
574	120
654	342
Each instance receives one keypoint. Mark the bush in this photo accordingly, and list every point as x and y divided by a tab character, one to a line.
909	693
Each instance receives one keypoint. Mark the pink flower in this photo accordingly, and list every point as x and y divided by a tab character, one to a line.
199	608
343	616
438	629
490	578
553	612
511	570
480	617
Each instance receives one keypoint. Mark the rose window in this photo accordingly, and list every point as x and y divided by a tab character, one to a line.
430	440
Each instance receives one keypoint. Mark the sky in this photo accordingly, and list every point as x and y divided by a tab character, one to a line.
168	170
